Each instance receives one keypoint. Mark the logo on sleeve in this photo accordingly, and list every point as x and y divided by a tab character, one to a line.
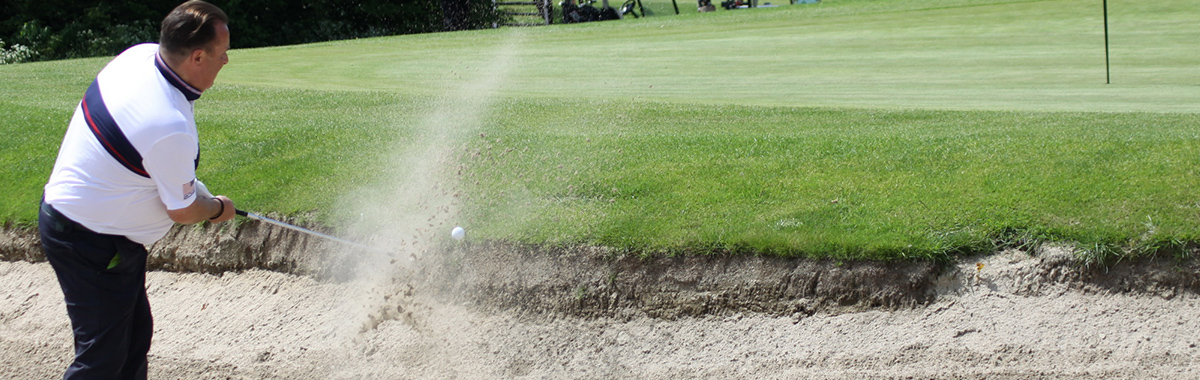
189	189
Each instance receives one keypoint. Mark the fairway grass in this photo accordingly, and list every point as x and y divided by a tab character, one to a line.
947	54
851	129
836	182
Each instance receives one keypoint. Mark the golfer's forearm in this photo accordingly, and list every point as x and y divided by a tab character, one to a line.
202	209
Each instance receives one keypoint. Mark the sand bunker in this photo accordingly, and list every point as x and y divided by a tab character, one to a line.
1021	316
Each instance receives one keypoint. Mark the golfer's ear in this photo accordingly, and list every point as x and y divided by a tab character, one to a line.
196	57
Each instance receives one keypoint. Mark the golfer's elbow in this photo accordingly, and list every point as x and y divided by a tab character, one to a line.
185	216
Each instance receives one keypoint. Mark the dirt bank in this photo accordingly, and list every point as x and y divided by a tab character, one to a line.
236	303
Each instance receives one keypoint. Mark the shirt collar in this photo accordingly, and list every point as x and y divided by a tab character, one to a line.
189	92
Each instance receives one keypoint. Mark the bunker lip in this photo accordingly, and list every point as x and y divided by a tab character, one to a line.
598	282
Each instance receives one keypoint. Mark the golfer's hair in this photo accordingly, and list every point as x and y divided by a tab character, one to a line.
190	26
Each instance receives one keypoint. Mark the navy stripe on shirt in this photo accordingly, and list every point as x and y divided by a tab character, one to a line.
105	128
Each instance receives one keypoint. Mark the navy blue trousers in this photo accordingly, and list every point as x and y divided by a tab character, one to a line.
107	304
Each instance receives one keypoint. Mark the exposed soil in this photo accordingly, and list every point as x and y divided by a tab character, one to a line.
256	302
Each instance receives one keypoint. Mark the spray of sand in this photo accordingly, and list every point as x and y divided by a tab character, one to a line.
417	203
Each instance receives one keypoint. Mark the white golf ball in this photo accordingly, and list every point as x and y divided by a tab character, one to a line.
458	233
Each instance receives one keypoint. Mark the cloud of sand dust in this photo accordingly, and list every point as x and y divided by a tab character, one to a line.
416	204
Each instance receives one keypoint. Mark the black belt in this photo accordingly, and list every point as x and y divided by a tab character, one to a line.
61	223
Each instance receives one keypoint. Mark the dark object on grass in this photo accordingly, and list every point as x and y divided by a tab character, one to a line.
573	13
735	4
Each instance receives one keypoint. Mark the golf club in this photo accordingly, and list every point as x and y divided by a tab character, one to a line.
310	232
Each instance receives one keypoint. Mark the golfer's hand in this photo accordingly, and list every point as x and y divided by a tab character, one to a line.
227	213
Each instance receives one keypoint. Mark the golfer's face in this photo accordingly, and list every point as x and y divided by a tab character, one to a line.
214	58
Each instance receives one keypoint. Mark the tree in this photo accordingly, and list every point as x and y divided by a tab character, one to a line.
58	29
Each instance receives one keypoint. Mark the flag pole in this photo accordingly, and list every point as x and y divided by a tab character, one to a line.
1107	71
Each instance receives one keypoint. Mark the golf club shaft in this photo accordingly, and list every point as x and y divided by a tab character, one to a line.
308	231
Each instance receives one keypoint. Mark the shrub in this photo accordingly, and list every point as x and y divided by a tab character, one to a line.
107	27
16	54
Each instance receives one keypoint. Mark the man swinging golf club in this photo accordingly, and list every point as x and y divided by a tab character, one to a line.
126	172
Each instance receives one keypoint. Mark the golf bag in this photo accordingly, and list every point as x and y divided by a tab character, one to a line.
735	4
586	12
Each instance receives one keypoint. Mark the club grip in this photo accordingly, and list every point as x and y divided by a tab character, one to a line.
239	212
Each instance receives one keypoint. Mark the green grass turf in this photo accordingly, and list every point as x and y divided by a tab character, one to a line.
877	129
846	183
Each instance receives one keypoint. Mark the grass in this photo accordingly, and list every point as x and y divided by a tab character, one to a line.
884	129
837	182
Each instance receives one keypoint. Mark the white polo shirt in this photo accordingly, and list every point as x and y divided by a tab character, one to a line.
126	187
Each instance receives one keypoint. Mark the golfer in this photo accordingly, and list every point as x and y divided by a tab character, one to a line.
126	172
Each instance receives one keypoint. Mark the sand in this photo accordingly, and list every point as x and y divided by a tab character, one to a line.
258	324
